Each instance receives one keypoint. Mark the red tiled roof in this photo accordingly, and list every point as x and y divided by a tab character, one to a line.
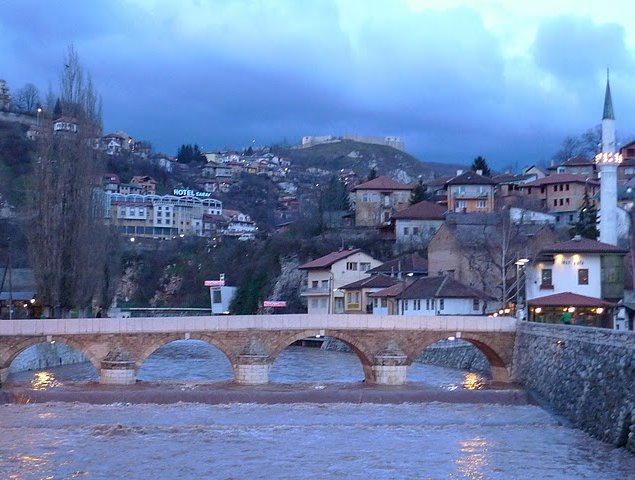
561	178
422	211
470	178
568	299
329	259
376	281
582	245
409	263
390	291
384	183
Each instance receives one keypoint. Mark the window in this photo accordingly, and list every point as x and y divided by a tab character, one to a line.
427	304
566	201
415	230
216	296
561	202
374	197
480	204
325	284
555	188
555	202
314	284
365	197
475	304
567	187
460	204
405	304
384	302
417	304
405	230
314	303
441	303
571	218
352	299
545	277
583	276
351	265
364	266
323	303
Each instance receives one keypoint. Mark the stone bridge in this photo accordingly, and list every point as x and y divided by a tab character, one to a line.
385	345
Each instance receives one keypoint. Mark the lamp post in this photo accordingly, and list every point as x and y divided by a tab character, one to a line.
520	307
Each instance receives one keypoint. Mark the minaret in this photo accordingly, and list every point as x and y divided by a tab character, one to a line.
607	162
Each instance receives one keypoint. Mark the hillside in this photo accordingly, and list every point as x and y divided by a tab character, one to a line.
362	157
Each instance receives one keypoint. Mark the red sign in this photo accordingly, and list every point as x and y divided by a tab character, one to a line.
274	303
214	283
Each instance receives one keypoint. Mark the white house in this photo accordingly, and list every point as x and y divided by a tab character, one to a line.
581	277
325	276
430	296
417	224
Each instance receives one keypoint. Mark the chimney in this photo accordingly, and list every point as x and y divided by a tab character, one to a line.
459	172
577	238
479	172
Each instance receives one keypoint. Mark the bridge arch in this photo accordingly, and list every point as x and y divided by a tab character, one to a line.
352	342
17	348
157	343
499	369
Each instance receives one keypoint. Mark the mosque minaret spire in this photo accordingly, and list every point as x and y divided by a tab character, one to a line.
607	161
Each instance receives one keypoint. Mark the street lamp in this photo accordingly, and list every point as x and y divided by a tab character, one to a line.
520	307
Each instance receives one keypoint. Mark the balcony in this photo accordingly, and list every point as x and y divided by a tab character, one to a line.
314	291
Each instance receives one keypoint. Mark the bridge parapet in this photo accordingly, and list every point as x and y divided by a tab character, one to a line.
226	323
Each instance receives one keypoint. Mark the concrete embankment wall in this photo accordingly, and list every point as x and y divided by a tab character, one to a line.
586	375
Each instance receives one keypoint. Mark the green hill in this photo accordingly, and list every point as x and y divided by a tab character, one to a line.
362	157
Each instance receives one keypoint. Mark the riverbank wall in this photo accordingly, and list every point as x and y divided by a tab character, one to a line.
586	375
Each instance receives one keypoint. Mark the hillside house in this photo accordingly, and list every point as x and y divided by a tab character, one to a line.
417	224
325	276
470	192
356	294
377	200
409	265
470	247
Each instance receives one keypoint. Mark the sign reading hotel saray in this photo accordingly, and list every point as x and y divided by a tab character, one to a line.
214	283
274	303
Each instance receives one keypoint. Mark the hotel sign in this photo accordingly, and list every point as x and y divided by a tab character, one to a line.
184	192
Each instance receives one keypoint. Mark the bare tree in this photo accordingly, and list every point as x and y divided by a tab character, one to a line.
27	99
68	237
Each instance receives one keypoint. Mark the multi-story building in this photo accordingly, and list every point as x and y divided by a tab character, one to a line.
377	200
470	192
416	225
325	276
561	194
576	281
155	216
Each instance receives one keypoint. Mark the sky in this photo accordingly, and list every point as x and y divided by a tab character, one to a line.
504	79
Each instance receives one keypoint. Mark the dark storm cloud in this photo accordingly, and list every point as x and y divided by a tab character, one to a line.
222	74
575	48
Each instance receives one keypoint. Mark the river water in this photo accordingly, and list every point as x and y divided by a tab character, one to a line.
290	441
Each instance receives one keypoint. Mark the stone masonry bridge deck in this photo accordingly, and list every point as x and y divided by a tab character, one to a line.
385	345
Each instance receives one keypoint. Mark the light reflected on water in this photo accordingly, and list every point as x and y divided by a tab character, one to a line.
43	380
473	460
473	381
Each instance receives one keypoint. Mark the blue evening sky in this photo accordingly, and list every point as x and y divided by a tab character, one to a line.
455	79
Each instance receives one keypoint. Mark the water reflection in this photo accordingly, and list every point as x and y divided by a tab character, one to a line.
473	381
43	380
473	460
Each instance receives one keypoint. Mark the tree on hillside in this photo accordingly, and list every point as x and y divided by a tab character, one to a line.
586	225
333	203
584	145
418	193
70	247
27	99
190	153
372	175
480	163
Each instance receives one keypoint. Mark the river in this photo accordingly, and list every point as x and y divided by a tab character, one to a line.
291	441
